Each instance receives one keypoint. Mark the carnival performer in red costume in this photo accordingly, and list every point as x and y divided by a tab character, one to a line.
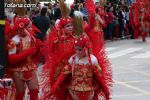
22	51
61	48
22	56
145	20
84	74
95	34
134	18
139	18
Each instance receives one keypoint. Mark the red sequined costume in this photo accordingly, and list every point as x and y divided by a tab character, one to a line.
83	76
22	59
61	50
95	34
145	20
139	18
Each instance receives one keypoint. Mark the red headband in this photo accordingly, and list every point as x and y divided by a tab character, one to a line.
21	23
64	21
83	41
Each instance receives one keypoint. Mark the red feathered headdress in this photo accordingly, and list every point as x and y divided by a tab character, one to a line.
64	13
21	23
90	6
9	32
82	41
99	8
64	21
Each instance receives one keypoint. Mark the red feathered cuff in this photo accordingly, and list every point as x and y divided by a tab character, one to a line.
146	18
90	6
102	83
64	21
15	58
60	79
82	41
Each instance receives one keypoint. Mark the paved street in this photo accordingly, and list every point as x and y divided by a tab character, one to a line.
131	69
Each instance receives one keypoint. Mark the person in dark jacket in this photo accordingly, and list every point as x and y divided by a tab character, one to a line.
56	12
42	22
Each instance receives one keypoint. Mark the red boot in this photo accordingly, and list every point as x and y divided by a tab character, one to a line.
19	96
33	94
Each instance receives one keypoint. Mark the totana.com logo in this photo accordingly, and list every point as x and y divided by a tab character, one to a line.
12	5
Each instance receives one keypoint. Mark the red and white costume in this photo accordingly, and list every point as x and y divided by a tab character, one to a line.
61	48
139	18
83	78
95	34
22	56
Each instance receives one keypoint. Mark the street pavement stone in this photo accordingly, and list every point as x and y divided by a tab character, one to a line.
131	75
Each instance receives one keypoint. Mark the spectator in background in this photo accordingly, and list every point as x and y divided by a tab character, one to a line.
56	12
76	5
121	17
83	9
109	20
116	23
39	6
50	11
126	21
97	4
42	22
130	31
34	14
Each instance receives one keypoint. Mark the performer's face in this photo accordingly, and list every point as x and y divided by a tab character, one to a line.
80	51
29	27
23	34
68	28
101	11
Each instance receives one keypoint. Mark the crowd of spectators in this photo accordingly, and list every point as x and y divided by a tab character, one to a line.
116	18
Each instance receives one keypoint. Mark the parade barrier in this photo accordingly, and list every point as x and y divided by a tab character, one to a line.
6	89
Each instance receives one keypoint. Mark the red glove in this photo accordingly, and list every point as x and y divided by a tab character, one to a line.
38	43
90	6
102	83
57	83
15	58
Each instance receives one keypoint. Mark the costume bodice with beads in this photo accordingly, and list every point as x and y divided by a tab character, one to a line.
82	73
82	79
63	46
19	45
66	44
